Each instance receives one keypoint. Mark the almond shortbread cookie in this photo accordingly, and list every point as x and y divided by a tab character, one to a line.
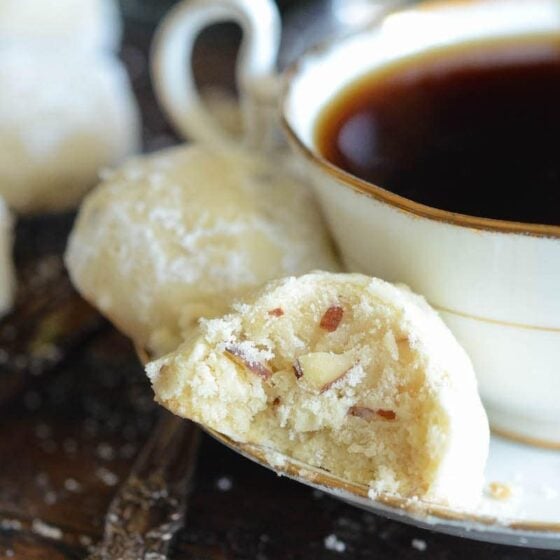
174	236
343	372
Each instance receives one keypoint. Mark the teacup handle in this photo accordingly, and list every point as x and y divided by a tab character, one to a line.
173	76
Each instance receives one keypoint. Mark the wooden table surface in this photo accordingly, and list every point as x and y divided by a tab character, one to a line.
75	408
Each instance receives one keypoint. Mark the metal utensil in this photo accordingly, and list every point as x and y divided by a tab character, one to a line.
149	507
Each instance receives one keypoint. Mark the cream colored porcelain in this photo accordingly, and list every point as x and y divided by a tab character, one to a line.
496	283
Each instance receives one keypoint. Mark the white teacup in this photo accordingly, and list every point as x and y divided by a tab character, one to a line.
495	283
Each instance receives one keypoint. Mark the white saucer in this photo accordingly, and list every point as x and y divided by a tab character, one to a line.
530	516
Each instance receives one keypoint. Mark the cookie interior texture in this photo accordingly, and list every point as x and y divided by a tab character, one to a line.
343	372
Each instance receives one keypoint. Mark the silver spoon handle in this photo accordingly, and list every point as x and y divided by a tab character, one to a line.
149	507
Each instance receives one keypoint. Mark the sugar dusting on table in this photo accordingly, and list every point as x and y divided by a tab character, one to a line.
419	544
332	542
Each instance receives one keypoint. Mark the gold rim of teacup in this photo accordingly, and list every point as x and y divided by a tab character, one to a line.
526	440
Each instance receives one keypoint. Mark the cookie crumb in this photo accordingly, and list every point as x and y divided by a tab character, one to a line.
10	524
45	530
50	498
224	484
107	477
72	485
85	540
105	451
419	544
332	542
499	491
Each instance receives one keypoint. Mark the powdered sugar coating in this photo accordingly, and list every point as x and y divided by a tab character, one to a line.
175	236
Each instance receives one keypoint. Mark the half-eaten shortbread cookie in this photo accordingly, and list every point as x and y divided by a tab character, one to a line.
343	372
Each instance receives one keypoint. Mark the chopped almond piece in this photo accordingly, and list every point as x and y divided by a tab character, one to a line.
277	312
369	414
362	412
320	370
331	318
297	370
238	356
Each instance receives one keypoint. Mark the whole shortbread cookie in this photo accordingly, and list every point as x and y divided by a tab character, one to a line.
6	266
64	114
175	236
343	372
90	24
